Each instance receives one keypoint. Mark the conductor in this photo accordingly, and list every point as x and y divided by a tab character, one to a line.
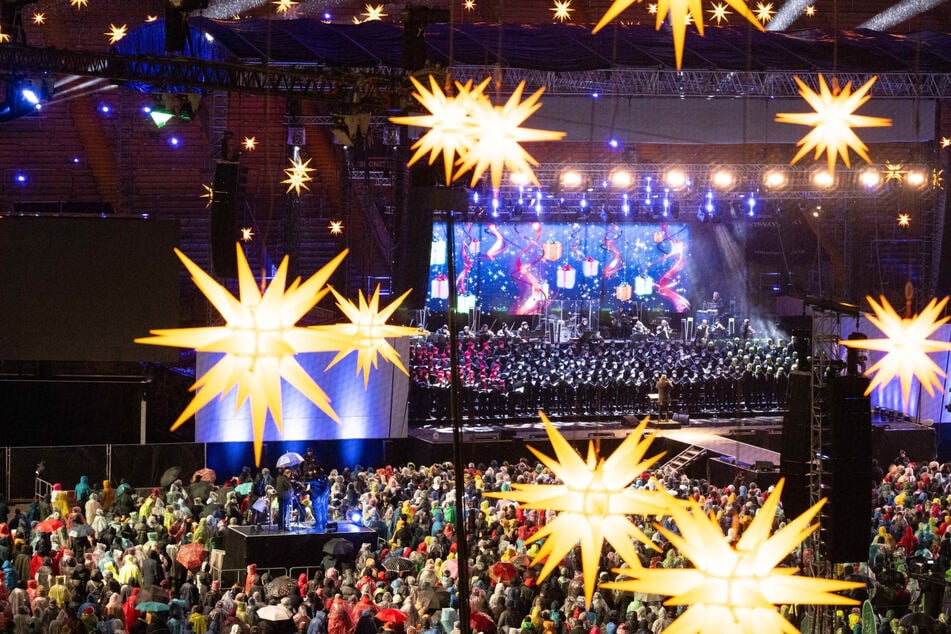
663	387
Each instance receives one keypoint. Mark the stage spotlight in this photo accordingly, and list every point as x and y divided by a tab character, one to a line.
30	96
622	178
751	205
723	179
676	179
356	517
625	205
823	179
519	179
915	178
871	178
160	116
775	179
571	179
495	207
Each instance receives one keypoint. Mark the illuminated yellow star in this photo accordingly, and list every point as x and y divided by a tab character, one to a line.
298	175
39	18
4	37
367	332
719	13
833	121
335	227
246	234
371	13
498	138
679	10
906	346
450	122
937	178
904	220
284	6
652	8
209	195
259	341
79	4
764	12
469	5
894	172
116	33
562	10
151	18
811	10
250	143
356	20
734	589
945	142
594	502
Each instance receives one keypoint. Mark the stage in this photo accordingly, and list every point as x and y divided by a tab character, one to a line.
285	552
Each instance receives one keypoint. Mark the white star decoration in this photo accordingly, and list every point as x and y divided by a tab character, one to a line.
562	10
298	175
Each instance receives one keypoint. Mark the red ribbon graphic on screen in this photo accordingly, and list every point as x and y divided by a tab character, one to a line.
523	274
575	240
498	246
616	262
666	283
466	260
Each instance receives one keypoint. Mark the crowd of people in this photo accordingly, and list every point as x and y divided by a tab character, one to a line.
110	563
511	374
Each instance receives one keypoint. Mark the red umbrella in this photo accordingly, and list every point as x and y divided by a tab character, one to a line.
481	622
206	474
522	560
392	615
503	571
48	525
191	555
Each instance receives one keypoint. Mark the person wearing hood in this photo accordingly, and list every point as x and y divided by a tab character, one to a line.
83	490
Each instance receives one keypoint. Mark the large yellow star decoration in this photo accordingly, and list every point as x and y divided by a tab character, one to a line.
764	11
719	13
249	144
594	502
335	227
680	12
4	37
116	33
945	142
811	11
39	18
562	10
247	234
832	121
79	4
260	338
734	589
906	346
373	13
209	195
469	5
367	332
285	6
298	175
894	172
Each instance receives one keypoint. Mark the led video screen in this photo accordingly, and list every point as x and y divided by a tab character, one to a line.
518	267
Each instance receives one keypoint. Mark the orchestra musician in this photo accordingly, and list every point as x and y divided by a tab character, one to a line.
639	328
746	330
703	332
664	387
718	330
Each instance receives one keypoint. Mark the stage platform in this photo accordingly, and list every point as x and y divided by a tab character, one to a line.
284	552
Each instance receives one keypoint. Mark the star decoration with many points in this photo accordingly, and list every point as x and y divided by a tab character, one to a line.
734	589
678	11
945	142
151	18
247	234
209	195
116	33
594	502
259	341
904	220
498	137
367	332
39	18
764	11
719	13
373	13
335	227
469	5
4	37
832	121
652	8
284	6
894	172
906	346
811	11
249	144
937	178
451	126
298	175
79	4
562	10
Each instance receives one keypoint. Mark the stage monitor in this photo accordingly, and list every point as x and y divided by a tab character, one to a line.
379	411
518	267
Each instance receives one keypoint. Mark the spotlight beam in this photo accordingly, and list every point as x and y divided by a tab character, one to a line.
898	13
788	14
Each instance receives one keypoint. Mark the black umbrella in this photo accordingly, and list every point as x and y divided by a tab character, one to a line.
80	530
433	599
281	587
398	564
171	474
338	547
199	489
152	593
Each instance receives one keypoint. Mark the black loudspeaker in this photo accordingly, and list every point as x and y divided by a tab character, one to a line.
226	201
846	518
416	236
682	418
796	421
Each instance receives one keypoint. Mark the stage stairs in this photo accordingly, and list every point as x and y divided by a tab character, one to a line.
704	441
688	456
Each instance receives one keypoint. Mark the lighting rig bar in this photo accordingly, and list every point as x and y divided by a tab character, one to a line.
195	73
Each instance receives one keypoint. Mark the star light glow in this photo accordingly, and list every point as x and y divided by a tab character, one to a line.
78	4
39	18
249	144
373	13
832	121
298	175
764	11
719	13
285	6
562	10
116	33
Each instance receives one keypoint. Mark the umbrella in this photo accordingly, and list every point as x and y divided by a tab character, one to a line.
191	555
80	530
338	547
918	622
244	488
522	560
289	459
281	587
398	564
152	606
274	613
206	474
503	571
481	622
48	525
392	615
200	489
152	594
433	599
171	474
